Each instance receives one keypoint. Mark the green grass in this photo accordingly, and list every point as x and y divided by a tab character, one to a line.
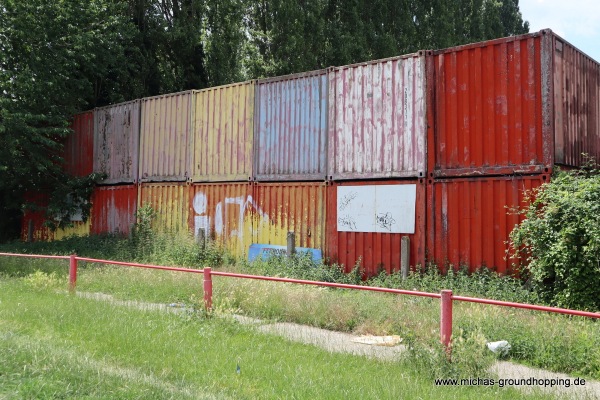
549	341
59	346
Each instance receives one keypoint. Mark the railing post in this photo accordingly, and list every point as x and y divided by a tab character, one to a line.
207	289
291	243
404	256
72	272
446	319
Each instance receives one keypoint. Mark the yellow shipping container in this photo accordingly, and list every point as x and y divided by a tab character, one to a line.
223	133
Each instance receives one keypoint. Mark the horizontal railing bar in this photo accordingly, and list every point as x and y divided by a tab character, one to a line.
34	256
328	284
527	306
129	264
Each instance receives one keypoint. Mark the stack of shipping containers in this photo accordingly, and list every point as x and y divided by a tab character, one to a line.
433	145
77	155
165	158
504	113
377	162
116	155
290	159
219	199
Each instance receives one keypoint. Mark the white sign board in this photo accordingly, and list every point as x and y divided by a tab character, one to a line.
376	208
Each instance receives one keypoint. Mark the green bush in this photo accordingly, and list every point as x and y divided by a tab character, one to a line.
558	242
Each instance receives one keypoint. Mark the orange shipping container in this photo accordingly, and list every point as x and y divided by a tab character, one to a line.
291	207
170	201
225	212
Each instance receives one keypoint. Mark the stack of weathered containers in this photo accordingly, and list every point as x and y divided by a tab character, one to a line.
116	154
433	145
377	162
502	115
78	157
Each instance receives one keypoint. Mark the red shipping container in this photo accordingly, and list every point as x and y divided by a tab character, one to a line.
366	221
576	104
79	145
490	107
113	209
468	219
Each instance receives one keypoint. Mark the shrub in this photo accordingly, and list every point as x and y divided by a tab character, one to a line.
558	242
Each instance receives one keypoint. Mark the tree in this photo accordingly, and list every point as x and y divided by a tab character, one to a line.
559	239
56	58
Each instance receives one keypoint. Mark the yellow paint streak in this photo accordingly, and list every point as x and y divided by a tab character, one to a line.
78	229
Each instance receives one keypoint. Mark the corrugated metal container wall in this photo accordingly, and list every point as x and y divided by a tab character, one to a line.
468	222
43	233
223	127
79	146
377	120
290	133
34	220
116	142
170	201
114	208
492	106
166	140
577	102
287	207
225	212
377	247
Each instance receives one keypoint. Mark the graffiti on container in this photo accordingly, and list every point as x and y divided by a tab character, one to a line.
274	252
241	205
347	221
385	220
345	201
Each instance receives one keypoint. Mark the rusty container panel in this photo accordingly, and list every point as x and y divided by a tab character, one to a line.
113	209
280	208
116	142
223	133
376	249
290	133
166	140
225	212
377	119
468	219
577	105
35	219
170	201
491	104
79	146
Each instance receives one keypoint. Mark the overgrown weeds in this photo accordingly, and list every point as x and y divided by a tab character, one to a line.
548	341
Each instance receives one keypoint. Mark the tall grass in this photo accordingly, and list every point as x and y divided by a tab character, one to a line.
59	346
553	342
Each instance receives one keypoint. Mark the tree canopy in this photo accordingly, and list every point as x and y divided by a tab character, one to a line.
58	57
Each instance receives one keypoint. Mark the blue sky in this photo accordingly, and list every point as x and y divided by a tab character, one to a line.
577	21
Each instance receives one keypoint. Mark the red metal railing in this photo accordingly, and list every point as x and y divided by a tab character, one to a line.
446	296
